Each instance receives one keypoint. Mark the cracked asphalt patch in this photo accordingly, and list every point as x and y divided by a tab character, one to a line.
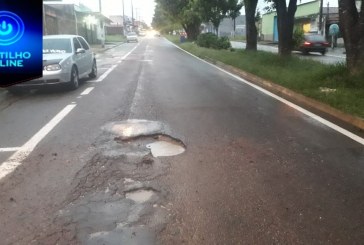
116	198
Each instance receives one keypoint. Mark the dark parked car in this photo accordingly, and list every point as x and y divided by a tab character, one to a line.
314	43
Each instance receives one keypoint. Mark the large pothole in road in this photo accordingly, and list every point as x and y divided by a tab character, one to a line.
140	196
116	197
131	129
166	148
148	135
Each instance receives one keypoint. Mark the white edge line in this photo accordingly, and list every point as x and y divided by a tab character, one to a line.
298	108
87	91
9	149
16	159
103	76
125	56
106	73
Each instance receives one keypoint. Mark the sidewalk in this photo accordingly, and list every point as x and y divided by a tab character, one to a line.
273	47
97	48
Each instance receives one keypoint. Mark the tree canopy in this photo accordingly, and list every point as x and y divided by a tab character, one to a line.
191	13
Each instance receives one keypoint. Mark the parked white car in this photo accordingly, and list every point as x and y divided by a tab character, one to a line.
131	37
66	59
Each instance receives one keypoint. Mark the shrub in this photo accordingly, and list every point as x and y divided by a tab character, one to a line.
298	37
206	40
223	43
210	40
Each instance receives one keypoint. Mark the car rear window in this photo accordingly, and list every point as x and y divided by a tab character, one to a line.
315	38
54	46
132	34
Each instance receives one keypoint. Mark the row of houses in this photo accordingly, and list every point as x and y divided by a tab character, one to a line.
78	19
62	18
307	17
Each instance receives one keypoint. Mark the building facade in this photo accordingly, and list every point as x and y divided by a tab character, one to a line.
226	27
307	17
62	18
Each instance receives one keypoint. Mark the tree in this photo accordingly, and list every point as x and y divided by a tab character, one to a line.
162	22
251	28
214	11
234	10
285	19
184	12
352	28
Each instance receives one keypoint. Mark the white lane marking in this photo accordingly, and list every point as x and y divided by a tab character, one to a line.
131	51
87	91
16	159
9	149
103	76
296	107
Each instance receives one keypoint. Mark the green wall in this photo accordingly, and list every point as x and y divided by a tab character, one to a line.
267	25
306	9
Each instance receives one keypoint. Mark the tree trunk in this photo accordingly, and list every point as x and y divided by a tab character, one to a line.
285	19
352	28
216	24
192	30
234	23
251	28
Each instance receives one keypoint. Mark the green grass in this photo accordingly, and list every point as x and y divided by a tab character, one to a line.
114	38
306	77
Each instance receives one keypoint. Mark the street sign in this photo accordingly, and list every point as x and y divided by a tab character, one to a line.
334	30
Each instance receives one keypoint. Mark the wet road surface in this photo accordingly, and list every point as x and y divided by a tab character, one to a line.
236	166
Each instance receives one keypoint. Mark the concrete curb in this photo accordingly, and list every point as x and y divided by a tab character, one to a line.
102	50
293	96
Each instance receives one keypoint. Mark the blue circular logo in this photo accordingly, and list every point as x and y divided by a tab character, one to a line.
11	28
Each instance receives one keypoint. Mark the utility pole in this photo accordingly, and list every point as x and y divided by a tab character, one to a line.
132	14
320	17
102	25
123	19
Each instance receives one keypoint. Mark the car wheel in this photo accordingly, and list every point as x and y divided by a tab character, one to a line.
93	73
323	52
75	82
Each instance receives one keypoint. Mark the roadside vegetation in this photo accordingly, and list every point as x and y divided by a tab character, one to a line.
190	14
330	84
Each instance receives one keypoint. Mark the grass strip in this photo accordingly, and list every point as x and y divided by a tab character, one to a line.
330	84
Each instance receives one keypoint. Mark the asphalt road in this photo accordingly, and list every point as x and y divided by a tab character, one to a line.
333	56
76	166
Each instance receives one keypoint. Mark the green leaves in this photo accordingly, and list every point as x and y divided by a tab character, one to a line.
191	13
